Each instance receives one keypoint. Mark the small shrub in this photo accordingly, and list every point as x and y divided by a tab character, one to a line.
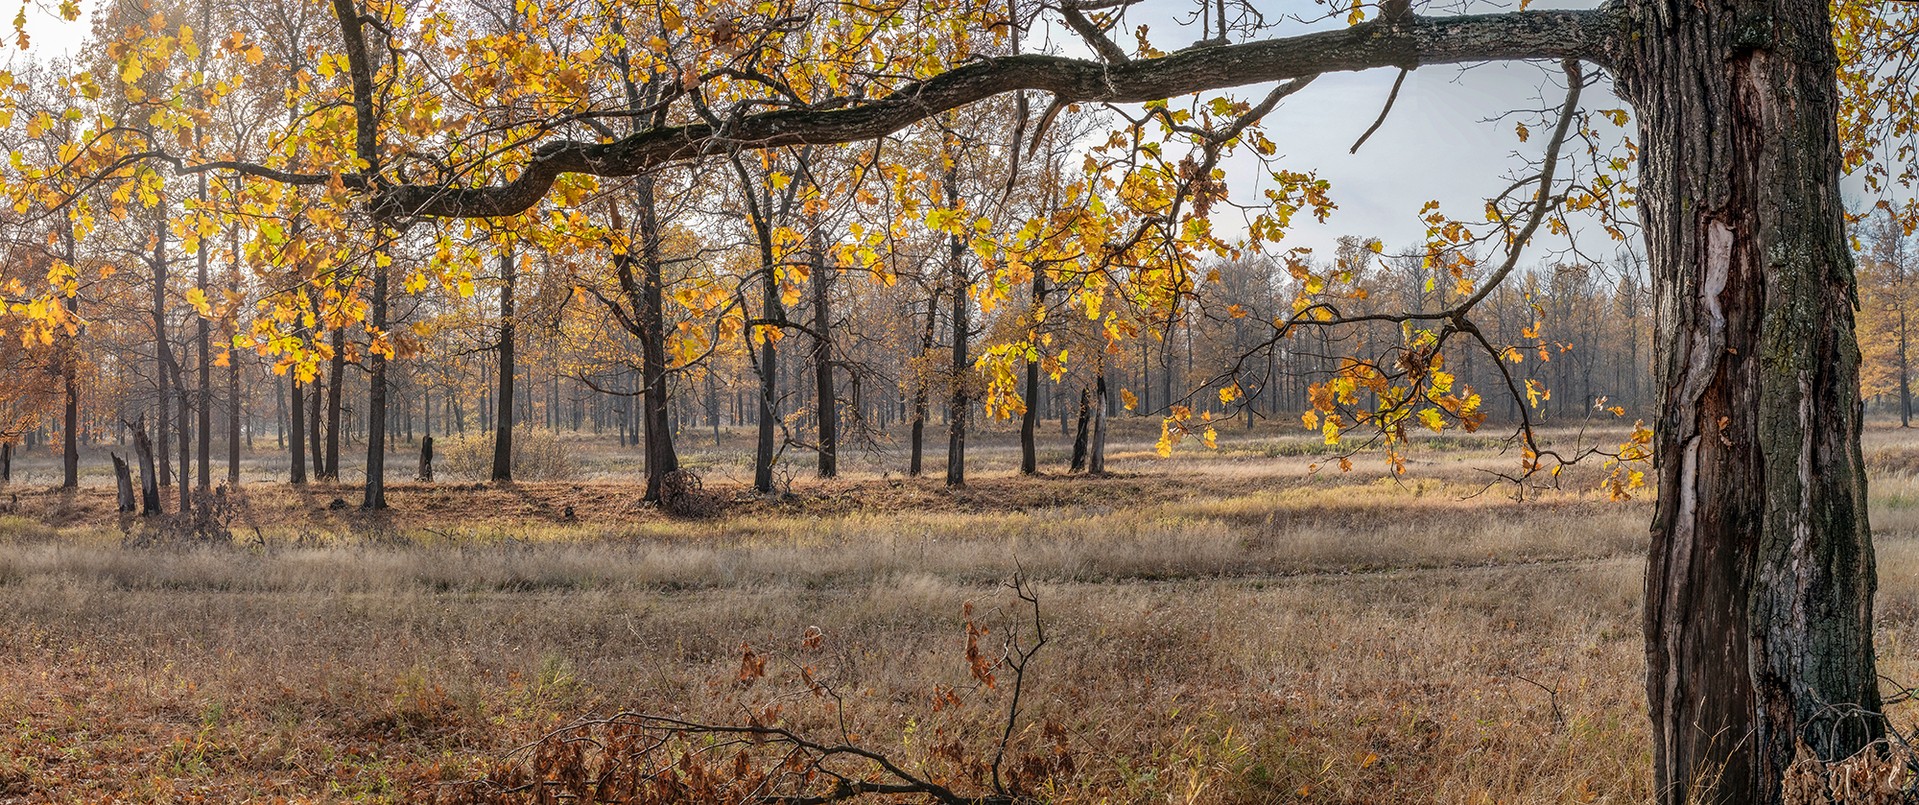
537	456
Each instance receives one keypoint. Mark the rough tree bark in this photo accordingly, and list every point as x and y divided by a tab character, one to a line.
1759	590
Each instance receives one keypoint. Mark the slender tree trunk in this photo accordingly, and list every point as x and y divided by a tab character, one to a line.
1905	371
503	430
1760	586
335	383
70	437
1080	435
297	473
376	394
1096	458
769	354
186	430
161	350
956	266
204	474
920	386
1029	426
826	404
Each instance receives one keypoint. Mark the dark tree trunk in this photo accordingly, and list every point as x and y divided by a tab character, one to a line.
123	484
204	338
149	477
426	459
336	379
297	473
1029	426
769	354
1080	435
956	418
186	430
503	430
826	405
1760	585
662	460
1096	454
315	448
375	499
234	407
920	385
70	435
161	357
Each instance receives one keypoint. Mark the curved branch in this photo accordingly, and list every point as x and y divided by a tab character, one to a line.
1404	43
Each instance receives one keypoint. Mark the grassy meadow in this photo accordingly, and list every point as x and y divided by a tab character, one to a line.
1224	626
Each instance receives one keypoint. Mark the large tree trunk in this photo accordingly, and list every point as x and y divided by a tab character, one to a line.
826	408
1760	584
503	432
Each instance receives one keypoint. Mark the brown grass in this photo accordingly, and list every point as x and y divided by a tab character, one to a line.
1226	629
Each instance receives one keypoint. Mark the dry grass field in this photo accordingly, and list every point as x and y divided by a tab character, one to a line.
1223	627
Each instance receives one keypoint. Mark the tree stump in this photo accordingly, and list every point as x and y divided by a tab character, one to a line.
123	480
426	459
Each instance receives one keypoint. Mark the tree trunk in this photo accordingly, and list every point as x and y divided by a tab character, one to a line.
297	473
149	477
826	403
123	483
336	377
916	467
768	366
1079	436
426	459
315	448
161	357
1759	589
503	429
956	266
375	499
1029	426
204	470
70	436
662	459
1096	458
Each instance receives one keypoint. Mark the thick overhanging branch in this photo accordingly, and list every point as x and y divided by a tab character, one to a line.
1405	43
